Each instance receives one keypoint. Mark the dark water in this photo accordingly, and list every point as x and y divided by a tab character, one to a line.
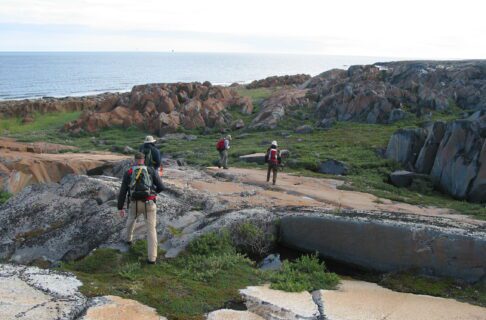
38	74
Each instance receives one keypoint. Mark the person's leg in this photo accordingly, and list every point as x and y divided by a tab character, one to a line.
268	172
220	159
225	159
151	223
275	170
130	225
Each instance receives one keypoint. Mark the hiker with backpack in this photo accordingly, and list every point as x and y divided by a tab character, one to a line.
272	157
223	146
141	183
152	154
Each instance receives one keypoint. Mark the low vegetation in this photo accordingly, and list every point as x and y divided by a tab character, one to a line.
439	287
205	278
4	196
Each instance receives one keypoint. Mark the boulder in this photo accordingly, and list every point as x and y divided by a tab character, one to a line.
405	144
271	262
305	129
401	178
254	157
275	304
333	167
238	124
426	157
326	123
396	115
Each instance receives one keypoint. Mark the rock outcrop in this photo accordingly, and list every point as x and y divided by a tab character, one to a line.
162	108
356	300
454	154
281	103
379	93
23	164
279	81
27	108
31	293
275	304
380	242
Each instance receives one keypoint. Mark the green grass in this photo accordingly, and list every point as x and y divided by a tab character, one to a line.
203	279
4	196
42	122
439	287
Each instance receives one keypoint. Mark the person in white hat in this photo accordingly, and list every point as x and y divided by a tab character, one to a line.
273	159
223	146
152	154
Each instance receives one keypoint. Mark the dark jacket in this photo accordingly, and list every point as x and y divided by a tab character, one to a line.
157	185
155	154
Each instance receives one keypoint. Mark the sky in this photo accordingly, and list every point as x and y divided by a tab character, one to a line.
394	28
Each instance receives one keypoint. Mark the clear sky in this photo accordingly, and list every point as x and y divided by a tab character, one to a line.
392	28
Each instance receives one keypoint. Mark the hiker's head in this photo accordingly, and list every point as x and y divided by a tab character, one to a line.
274	143
139	158
149	139
228	137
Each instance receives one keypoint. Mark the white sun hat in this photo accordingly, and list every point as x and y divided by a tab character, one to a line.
274	143
149	139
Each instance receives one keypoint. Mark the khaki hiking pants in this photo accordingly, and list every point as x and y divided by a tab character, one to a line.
223	158
137	208
272	168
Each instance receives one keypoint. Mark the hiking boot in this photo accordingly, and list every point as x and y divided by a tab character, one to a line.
151	262
129	243
225	168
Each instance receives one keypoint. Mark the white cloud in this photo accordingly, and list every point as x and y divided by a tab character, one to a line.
413	28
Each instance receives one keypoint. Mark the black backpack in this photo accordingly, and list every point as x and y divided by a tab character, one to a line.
149	159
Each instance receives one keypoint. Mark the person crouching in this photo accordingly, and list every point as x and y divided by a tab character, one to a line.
142	184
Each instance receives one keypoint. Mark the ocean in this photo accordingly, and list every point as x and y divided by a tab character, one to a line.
58	74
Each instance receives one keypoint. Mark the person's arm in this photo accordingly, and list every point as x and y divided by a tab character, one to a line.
123	191
226	144
159	186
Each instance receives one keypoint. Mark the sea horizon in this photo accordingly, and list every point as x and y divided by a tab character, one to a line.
37	74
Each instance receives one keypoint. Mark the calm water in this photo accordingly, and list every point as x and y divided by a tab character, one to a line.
27	75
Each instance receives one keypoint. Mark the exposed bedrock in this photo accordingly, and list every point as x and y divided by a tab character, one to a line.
391	244
279	81
454	154
386	92
162	107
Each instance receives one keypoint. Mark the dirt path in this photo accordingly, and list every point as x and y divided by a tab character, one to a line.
249	187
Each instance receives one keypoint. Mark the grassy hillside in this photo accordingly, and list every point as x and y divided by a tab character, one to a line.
356	144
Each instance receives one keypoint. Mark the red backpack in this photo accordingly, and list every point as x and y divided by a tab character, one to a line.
220	145
273	156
